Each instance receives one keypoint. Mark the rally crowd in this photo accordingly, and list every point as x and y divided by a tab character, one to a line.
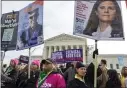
46	74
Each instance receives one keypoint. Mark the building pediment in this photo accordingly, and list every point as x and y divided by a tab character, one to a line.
65	37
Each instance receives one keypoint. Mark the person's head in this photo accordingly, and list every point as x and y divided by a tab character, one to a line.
61	66
33	15
14	62
105	11
80	69
112	73
103	63
35	64
25	69
113	77
68	64
20	67
74	64
47	65
124	71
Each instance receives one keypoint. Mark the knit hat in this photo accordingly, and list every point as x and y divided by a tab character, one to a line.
79	65
36	62
15	61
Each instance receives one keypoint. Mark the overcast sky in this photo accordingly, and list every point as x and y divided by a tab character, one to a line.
58	18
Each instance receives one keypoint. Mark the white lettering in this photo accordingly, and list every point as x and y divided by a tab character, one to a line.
8	21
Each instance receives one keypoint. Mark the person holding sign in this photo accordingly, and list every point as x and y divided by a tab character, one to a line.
105	20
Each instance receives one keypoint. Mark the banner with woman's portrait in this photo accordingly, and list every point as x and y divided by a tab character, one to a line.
98	20
30	29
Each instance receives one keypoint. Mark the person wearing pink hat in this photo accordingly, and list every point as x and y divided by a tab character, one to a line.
35	65
23	81
9	77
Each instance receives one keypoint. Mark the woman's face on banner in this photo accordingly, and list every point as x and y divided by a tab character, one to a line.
106	11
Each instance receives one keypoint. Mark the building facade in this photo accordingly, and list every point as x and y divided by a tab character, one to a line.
64	42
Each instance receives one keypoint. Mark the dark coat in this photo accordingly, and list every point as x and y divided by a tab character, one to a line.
24	82
89	78
112	84
69	74
75	83
9	81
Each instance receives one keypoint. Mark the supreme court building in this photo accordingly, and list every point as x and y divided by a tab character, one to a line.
64	42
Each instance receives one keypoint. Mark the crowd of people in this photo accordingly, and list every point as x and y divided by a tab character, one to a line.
47	74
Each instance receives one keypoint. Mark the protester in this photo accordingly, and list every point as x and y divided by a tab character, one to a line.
123	76
23	81
70	73
9	78
68	65
49	77
78	81
102	79
113	79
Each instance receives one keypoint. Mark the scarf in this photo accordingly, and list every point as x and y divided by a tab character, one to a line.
8	70
42	77
79	78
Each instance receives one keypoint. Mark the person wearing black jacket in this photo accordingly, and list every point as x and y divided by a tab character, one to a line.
9	78
23	81
78	81
113	79
89	78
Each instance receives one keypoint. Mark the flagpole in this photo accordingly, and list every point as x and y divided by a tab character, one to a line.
2	58
95	53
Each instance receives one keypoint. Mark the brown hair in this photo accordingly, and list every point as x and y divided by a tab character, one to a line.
93	21
123	71
104	61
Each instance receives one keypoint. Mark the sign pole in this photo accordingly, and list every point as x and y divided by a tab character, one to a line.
29	64
95	53
2	58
